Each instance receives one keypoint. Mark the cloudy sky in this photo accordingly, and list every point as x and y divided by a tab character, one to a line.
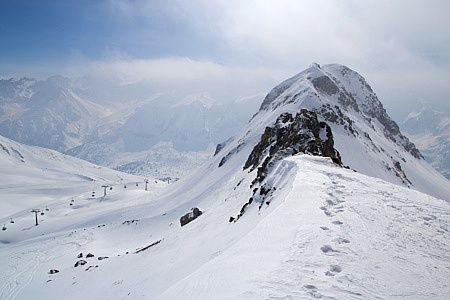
402	48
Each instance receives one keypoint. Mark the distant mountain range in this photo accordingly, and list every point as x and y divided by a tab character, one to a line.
124	134
430	131
160	134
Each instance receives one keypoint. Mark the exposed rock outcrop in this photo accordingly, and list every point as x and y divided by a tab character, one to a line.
190	216
290	135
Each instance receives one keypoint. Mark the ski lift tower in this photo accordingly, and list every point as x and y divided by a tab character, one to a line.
104	189
36	215
146	182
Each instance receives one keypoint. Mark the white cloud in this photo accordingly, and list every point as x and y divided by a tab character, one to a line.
402	48
237	48
184	76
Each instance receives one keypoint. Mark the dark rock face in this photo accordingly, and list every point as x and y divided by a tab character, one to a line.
325	85
290	135
302	133
189	217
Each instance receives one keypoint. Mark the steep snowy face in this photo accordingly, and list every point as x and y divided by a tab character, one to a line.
366	138
339	95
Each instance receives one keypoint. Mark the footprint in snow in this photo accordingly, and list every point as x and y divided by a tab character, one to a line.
333	270
330	202
341	241
310	287
326	211
337	223
327	249
312	290
429	218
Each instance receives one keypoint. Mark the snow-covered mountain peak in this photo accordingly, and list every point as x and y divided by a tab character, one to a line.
332	83
340	95
368	140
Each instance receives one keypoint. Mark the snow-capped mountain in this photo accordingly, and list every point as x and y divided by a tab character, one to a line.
368	140
187	125
278	212
430	131
164	137
123	132
45	113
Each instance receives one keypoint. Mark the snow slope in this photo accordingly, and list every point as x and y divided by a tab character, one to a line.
32	177
336	235
329	233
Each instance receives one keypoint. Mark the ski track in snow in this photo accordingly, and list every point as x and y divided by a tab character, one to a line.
21	271
20	268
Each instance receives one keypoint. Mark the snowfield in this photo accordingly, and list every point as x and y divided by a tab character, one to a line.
329	233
